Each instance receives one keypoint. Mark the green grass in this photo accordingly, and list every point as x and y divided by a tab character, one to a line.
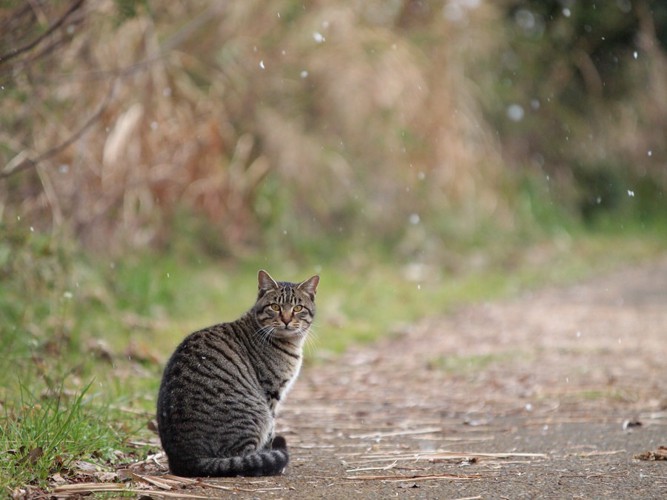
367	302
45	434
84	341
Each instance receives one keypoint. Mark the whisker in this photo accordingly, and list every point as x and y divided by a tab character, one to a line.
311	340
263	334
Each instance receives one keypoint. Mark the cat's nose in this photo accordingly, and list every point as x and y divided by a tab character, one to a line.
286	320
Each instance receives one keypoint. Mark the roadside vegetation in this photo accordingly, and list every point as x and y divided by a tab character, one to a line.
153	158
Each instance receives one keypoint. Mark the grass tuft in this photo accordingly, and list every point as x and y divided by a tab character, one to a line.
46	434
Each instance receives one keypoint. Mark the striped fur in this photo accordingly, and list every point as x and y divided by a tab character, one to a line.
220	389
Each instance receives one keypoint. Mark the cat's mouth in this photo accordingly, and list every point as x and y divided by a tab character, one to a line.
288	331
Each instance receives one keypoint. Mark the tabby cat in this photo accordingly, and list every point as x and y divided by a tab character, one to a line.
219	392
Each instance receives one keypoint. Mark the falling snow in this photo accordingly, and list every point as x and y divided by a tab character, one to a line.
515	112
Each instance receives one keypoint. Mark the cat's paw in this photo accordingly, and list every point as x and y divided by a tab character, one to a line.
279	443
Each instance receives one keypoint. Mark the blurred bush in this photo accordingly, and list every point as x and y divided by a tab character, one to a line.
281	122
266	117
578	96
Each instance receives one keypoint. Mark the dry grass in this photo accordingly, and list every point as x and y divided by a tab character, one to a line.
313	119
331	115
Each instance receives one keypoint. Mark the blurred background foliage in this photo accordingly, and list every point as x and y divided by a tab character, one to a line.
437	139
291	125
417	154
585	86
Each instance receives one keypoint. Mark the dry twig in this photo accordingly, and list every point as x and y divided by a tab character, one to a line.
76	490
379	434
451	477
76	5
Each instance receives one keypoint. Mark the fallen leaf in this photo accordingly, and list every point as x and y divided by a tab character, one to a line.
106	477
57	479
141	352
100	349
629	424
33	455
659	454
83	466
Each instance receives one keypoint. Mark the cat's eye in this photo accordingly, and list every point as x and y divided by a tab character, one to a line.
297	309
275	307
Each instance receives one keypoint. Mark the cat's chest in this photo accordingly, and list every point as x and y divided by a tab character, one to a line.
276	388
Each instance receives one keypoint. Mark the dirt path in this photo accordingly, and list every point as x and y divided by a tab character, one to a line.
550	395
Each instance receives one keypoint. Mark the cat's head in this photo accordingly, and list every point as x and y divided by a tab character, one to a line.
285	309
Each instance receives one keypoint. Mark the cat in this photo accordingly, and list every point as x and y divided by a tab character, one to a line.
220	388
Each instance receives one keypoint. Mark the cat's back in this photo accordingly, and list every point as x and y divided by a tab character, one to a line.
206	358
207	368
214	347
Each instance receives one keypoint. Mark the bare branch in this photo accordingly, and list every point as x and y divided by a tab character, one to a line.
29	46
27	163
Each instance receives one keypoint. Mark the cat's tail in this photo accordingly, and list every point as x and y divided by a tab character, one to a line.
266	462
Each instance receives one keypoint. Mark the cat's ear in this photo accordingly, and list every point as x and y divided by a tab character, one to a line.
265	282
310	286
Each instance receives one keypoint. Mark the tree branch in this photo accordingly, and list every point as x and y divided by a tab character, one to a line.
27	163
29	46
